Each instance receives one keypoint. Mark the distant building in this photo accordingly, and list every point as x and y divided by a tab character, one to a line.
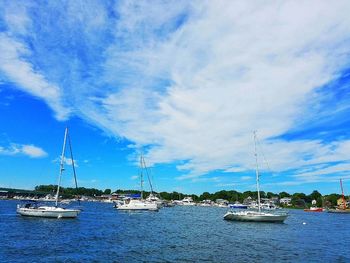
274	199
3	194
286	201
247	201
221	201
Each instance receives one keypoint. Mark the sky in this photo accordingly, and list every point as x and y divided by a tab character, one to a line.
183	82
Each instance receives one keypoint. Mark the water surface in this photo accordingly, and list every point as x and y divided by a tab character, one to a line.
179	234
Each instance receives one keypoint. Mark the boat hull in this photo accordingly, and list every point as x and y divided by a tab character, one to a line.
256	217
314	210
339	211
188	204
138	206
48	213
239	206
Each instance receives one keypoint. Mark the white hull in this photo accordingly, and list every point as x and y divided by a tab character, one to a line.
251	216
188	204
49	212
138	205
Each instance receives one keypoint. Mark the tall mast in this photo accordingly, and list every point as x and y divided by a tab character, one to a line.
342	193
73	165
141	175
257	171
61	165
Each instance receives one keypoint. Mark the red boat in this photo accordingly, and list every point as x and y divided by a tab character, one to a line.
314	209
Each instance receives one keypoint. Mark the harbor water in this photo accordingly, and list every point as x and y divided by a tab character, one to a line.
177	234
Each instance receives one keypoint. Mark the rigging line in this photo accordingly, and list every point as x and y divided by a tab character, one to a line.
152	179
147	173
72	158
61	165
141	175
263	155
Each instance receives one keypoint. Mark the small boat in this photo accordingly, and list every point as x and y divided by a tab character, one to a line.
187	201
238	206
256	216
36	210
340	211
314	209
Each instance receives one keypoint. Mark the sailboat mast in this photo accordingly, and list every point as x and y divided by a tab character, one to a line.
141	175
73	165
148	176
257	171
342	193
61	165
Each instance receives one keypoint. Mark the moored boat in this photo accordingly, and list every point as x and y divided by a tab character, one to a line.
47	211
187	201
136	204
140	204
256	216
238	206
35	210
314	209
340	211
342	207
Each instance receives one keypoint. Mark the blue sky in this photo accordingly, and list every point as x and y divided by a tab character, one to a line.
185	82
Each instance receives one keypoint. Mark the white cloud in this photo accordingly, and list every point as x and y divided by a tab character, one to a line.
67	161
246	178
134	177
226	185
23	149
195	93
233	69
206	179
18	70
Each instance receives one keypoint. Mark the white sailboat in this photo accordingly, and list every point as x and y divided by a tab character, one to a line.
138	204
35	210
256	216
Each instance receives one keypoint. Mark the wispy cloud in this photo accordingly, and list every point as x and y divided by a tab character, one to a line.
23	74
188	80
246	178
134	177
23	149
67	161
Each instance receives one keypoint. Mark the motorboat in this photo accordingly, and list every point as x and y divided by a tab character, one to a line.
154	199
238	206
187	201
339	211
314	209
52	211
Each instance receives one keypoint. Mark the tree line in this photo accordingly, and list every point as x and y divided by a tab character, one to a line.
297	199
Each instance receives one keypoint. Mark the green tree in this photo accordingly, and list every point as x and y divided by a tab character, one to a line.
283	195
315	195
107	191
